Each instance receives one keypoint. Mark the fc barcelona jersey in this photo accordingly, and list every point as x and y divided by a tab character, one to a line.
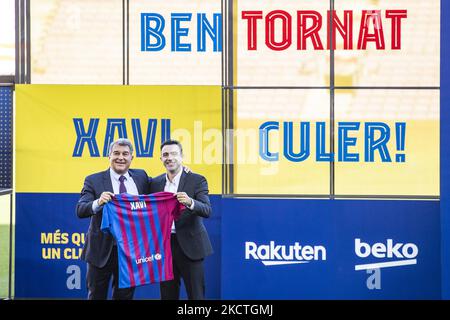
141	226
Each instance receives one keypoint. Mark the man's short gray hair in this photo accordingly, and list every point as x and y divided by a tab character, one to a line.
121	142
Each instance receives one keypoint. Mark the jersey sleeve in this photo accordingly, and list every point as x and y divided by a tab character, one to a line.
106	218
171	204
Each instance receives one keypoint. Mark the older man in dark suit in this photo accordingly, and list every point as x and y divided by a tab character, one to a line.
100	250
189	239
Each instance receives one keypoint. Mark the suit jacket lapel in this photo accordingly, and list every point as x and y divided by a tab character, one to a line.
107	183
161	184
137	181
182	181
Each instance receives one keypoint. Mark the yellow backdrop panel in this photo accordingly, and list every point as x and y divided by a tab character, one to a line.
46	136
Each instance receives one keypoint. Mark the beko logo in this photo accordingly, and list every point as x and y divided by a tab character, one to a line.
399	254
272	254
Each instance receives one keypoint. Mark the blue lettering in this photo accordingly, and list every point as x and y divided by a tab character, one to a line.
377	136
289	145
111	127
178	31
379	144
264	140
344	141
214	32
321	155
400	131
84	137
141	150
165	130
148	32
144	147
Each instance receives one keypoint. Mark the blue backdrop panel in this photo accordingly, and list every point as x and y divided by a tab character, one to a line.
41	273
445	148
404	236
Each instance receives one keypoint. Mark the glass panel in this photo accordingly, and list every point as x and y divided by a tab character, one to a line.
4	244
76	42
175	42
7	38
379	113
268	51
263	164
415	62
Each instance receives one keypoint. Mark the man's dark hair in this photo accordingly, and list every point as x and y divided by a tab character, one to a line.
170	142
121	142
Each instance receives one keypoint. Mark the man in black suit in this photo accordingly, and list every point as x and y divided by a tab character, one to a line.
189	239
100	249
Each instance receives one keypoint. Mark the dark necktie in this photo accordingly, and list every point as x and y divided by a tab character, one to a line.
122	188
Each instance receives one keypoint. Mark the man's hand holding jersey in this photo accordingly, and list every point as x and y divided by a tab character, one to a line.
104	198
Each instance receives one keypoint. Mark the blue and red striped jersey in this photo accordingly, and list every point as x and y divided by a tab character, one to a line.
141	226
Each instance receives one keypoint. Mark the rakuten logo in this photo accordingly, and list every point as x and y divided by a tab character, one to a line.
402	253
272	254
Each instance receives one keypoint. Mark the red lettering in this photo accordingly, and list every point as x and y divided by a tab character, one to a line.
279	25
311	32
396	25
286	33
373	16
345	29
252	17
